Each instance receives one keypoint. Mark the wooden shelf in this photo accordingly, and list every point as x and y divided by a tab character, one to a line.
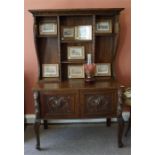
73	62
76	41
46	36
105	34
50	79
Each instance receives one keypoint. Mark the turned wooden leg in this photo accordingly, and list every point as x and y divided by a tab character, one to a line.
45	124
108	122
25	123
120	131
128	127
36	129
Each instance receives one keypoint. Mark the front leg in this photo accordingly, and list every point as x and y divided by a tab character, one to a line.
129	125
37	133
119	117
45	124
120	131
37	121
108	122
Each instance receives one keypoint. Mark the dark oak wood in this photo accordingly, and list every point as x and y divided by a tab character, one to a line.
61	97
120	131
59	104
45	124
127	107
98	103
108	122
119	117
129	126
37	119
104	51
76	20
88	11
36	129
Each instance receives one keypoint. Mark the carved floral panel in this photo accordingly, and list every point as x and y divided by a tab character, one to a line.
59	104
97	103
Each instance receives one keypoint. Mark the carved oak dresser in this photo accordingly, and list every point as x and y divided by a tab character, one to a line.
63	39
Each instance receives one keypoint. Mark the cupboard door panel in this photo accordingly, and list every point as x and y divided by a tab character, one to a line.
59	104
96	103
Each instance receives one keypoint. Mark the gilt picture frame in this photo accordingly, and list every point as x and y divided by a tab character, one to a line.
76	71
48	28
67	32
104	26
103	69
83	32
75	52
50	70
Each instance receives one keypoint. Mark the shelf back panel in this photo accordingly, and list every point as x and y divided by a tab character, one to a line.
76	20
103	49
48	50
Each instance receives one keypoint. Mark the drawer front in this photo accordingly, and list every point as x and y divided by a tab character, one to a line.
98	103
59	104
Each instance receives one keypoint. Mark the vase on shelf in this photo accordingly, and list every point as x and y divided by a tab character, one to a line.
90	69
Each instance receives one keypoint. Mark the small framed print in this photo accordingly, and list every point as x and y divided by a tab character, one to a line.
83	32
68	33
50	70
75	52
48	28
75	71
103	69
104	26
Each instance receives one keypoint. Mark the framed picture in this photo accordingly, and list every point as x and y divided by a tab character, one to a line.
75	52
68	33
50	70
83	32
104	26
47	28
103	69
76	71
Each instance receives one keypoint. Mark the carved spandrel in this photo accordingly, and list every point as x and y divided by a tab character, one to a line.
59	104
98	103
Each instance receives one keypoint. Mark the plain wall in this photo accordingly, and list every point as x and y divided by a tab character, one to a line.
123	58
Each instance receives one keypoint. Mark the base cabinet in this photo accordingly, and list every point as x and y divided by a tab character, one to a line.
101	100
78	104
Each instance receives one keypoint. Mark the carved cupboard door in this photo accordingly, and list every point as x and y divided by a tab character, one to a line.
98	103
59	104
